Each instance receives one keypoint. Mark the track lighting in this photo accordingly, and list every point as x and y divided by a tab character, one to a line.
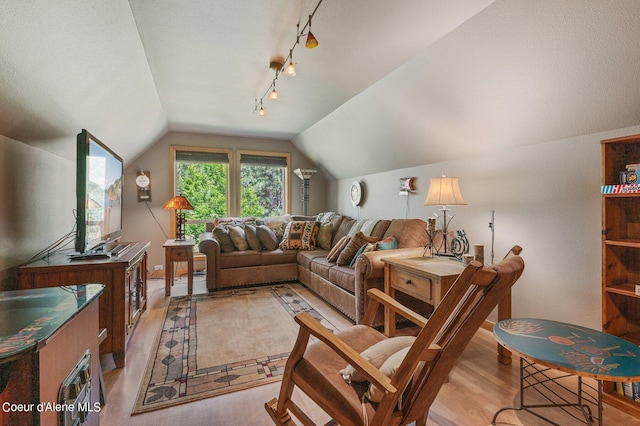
277	63
311	40
290	71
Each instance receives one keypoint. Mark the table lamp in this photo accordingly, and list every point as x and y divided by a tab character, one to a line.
444	191
179	203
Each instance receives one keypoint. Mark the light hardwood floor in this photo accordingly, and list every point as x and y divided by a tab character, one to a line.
479	385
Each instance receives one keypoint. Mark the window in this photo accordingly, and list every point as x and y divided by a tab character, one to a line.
202	176
263	183
256	184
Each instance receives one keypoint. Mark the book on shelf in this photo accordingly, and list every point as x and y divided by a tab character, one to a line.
629	188
635	166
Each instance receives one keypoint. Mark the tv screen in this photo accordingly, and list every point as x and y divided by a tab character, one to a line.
98	192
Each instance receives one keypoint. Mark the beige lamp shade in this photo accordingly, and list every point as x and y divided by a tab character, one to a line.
444	191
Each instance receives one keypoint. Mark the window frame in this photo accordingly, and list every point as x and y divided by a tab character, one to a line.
173	150
233	177
287	177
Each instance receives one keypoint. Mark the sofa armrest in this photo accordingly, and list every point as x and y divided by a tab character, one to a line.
370	264
210	247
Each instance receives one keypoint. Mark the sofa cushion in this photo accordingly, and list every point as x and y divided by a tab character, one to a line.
344	277
252	238
279	257
267	237
343	229
305	257
333	254
350	250
237	237
325	233
388	243
237	259
409	232
300	235
364	249
380	229
321	266
222	235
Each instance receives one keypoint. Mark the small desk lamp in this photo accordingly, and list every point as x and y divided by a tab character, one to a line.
444	191
179	203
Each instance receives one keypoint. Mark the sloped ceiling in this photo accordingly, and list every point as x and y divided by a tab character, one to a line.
393	83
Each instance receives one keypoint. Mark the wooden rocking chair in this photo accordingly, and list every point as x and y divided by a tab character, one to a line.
408	395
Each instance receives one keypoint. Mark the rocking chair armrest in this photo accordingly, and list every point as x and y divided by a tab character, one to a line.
346	352
397	307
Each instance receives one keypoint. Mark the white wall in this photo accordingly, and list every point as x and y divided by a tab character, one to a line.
546	199
140	218
38	195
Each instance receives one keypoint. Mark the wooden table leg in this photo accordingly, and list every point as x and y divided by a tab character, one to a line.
190	271
168	273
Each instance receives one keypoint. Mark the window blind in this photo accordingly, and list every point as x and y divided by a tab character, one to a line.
263	160
202	157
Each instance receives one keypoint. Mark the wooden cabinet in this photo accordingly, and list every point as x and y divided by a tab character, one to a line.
125	294
620	253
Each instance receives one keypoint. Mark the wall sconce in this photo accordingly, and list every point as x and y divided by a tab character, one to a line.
445	191
179	203
305	175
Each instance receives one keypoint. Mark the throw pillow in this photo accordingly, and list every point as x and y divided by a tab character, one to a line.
388	243
364	249
324	236
337	249
252	238
357	241
222	235
238	238
267	237
388	368
377	355
300	235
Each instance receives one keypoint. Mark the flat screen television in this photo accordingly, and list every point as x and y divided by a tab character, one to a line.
99	194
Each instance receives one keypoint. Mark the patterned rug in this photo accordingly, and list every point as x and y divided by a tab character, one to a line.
216	343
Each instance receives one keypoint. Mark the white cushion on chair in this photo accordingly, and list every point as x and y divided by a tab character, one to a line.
377	355
388	368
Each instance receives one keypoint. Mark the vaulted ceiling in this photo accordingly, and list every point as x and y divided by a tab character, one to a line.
392	83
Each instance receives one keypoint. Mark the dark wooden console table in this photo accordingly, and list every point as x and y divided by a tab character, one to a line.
125	294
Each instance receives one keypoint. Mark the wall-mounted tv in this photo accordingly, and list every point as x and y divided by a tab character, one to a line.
99	194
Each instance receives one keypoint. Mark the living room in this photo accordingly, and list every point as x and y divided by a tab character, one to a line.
513	99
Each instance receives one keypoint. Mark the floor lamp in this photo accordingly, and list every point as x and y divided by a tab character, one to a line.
305	175
444	191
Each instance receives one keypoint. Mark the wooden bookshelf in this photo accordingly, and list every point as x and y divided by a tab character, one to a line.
620	256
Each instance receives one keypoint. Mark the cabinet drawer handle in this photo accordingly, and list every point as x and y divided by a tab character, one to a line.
407	282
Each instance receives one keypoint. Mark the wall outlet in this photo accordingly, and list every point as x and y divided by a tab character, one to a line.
158	268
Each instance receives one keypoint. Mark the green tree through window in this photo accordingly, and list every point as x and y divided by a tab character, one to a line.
203	179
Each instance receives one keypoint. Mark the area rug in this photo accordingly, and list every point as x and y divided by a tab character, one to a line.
216	343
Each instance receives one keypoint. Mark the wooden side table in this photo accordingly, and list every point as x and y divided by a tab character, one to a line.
428	279
178	251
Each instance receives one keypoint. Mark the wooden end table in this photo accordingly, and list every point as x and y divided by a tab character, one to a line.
178	251
428	279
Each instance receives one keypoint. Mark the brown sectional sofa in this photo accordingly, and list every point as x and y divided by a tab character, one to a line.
344	287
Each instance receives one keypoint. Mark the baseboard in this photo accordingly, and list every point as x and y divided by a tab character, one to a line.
488	325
